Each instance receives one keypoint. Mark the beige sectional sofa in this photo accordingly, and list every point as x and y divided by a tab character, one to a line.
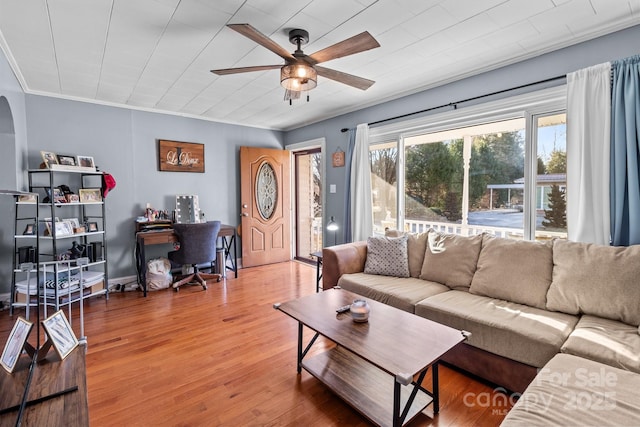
529	306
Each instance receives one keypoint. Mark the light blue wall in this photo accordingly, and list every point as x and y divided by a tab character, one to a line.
617	45
124	143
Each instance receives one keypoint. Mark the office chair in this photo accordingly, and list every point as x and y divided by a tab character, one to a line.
197	246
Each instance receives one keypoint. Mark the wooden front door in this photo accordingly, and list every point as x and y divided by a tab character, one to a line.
265	207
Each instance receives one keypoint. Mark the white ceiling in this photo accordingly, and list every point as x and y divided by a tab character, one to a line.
156	54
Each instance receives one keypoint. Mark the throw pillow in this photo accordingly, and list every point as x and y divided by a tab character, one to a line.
416	246
451	259
514	270
387	256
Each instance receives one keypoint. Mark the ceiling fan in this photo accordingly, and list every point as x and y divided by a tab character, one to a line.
300	71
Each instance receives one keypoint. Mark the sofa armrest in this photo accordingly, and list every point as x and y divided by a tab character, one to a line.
342	259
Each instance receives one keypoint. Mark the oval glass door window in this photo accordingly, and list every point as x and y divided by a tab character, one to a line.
266	191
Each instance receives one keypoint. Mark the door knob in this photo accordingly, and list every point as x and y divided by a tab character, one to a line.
244	214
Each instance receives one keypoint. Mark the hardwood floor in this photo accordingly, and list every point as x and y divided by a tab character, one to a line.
225	357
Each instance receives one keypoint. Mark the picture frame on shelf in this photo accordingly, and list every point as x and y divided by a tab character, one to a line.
66	160
90	195
49	225
58	195
60	334
29	230
74	222
63	228
72	198
27	198
15	344
49	158
86	161
92	227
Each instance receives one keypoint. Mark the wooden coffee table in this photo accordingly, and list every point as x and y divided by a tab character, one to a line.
374	364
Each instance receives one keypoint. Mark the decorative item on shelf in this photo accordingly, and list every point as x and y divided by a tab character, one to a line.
58	195
29	230
26	254
86	162
77	250
108	183
27	198
338	158
333	227
90	195
66	160
360	310
72	198
48	159
92	227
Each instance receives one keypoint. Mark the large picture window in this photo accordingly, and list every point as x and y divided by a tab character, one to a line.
490	175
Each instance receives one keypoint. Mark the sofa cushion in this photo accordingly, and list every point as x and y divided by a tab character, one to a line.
399	293
597	280
526	334
387	256
604	340
572	391
451	259
514	270
416	245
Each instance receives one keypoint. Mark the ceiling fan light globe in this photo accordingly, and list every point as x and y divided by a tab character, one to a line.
298	77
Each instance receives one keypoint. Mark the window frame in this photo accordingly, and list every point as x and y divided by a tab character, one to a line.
529	106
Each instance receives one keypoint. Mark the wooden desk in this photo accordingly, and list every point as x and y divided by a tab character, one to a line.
158	237
49	376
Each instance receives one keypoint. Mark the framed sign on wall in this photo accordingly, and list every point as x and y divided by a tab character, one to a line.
337	159
174	156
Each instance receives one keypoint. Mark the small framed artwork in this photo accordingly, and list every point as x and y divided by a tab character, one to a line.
92	227
58	196
74	222
72	198
27	198
15	344
86	161
66	160
90	195
29	230
49	158
63	229
337	158
60	333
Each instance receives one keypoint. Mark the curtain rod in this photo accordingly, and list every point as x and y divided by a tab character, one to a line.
455	104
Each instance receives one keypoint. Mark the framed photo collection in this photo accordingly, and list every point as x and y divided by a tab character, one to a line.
67	162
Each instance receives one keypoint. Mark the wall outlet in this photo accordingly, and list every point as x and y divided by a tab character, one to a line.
332	188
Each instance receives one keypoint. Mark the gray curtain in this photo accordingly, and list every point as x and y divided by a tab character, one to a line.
625	152
346	230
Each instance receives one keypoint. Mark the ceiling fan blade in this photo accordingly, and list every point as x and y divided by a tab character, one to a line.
255	35
348	79
238	70
359	43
